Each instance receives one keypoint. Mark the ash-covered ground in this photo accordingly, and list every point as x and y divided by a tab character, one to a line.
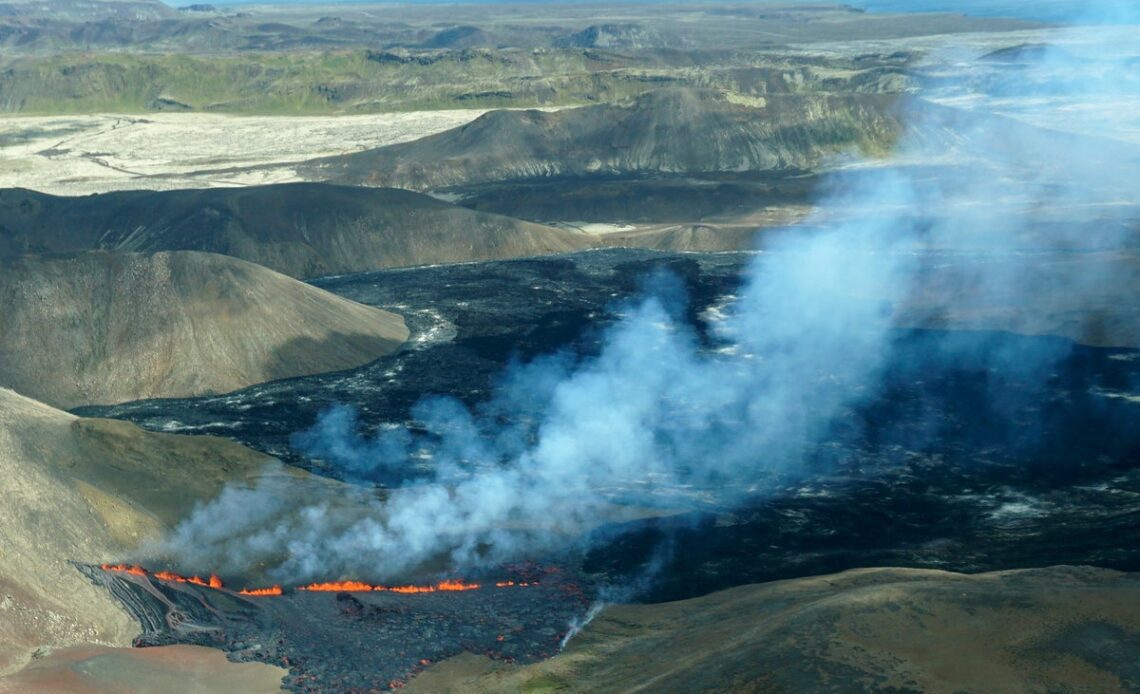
357	641
965	459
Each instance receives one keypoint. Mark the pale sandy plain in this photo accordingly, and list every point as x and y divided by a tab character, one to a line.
79	155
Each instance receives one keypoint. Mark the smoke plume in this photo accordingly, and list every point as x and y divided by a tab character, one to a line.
952	231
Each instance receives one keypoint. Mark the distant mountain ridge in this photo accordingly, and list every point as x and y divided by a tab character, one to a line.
88	10
667	131
303	230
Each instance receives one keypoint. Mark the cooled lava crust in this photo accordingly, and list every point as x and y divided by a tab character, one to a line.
356	641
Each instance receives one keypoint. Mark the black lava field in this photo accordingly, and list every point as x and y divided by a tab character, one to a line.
959	461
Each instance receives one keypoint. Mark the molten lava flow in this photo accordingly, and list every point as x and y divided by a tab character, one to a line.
214	581
457	585
448	585
407	590
338	587
273	590
133	570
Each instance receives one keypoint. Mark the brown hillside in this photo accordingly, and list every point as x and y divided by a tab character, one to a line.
105	327
1056	629
88	490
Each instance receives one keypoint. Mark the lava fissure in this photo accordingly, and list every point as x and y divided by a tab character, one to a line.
272	590
351	635
452	585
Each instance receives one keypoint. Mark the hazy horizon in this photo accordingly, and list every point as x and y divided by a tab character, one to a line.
1039	10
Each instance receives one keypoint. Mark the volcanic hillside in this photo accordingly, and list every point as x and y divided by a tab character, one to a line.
103	327
87	490
1054	629
668	131
303	230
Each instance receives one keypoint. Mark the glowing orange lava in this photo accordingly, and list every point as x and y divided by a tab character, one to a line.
273	590
448	585
133	570
169	576
457	585
213	582
410	590
338	587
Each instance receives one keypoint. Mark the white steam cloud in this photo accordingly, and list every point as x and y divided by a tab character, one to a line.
808	335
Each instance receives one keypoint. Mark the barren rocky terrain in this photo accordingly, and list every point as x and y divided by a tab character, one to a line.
687	318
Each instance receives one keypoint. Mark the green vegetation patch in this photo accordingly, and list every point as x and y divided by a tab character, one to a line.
366	81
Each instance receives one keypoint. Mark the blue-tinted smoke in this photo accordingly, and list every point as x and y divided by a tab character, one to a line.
958	243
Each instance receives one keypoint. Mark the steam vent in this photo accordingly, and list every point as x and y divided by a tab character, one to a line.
550	346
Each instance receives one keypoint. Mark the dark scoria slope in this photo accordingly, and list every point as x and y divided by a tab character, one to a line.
669	131
107	327
302	230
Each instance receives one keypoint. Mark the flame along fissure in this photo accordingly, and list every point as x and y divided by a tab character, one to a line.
448	585
260	592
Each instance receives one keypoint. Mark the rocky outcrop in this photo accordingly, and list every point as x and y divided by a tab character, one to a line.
621	36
